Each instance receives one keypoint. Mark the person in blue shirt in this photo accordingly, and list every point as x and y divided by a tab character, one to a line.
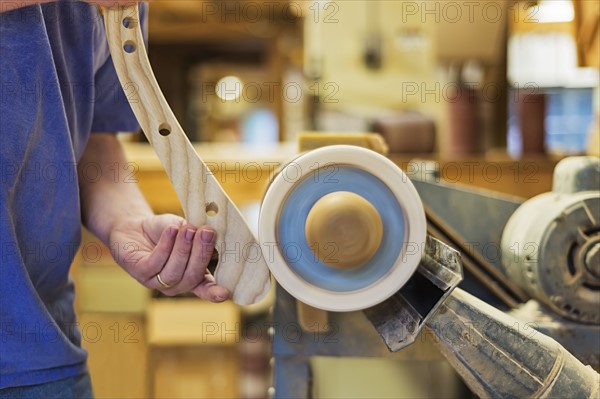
60	106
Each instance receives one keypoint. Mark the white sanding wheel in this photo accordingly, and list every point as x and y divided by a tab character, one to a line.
292	259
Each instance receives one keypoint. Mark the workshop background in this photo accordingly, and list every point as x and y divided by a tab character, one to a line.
494	93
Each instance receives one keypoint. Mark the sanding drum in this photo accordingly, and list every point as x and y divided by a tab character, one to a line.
342	228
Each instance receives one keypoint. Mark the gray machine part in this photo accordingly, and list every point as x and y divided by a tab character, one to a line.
496	355
347	334
401	317
582	340
576	174
450	209
500	357
551	244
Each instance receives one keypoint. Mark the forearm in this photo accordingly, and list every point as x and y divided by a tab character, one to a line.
162	252
107	198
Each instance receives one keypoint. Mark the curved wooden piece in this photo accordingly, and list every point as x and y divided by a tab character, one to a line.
241	268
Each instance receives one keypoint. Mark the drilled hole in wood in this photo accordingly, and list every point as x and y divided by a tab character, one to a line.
130	23
212	209
164	129
129	46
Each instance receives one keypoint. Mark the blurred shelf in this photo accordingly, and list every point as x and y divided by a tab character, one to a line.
190	322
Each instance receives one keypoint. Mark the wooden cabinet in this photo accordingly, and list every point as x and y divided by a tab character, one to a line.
193	349
195	372
118	353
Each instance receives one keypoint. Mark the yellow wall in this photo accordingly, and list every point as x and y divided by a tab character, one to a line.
343	25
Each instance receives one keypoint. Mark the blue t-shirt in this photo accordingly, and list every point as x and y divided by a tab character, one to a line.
57	84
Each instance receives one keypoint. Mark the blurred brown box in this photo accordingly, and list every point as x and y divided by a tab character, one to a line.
407	132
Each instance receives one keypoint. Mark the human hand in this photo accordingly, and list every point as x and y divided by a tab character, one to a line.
164	252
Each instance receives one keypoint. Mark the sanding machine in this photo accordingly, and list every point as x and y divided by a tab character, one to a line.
343	229
350	232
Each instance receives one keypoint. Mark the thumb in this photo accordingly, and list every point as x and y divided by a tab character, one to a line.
155	225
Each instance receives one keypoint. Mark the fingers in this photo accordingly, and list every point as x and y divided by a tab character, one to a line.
185	268
210	291
172	272
200	256
159	256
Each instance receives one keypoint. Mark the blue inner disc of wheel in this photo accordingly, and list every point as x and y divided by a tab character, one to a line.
291	235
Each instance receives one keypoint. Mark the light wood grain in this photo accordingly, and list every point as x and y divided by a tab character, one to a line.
312	140
241	268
